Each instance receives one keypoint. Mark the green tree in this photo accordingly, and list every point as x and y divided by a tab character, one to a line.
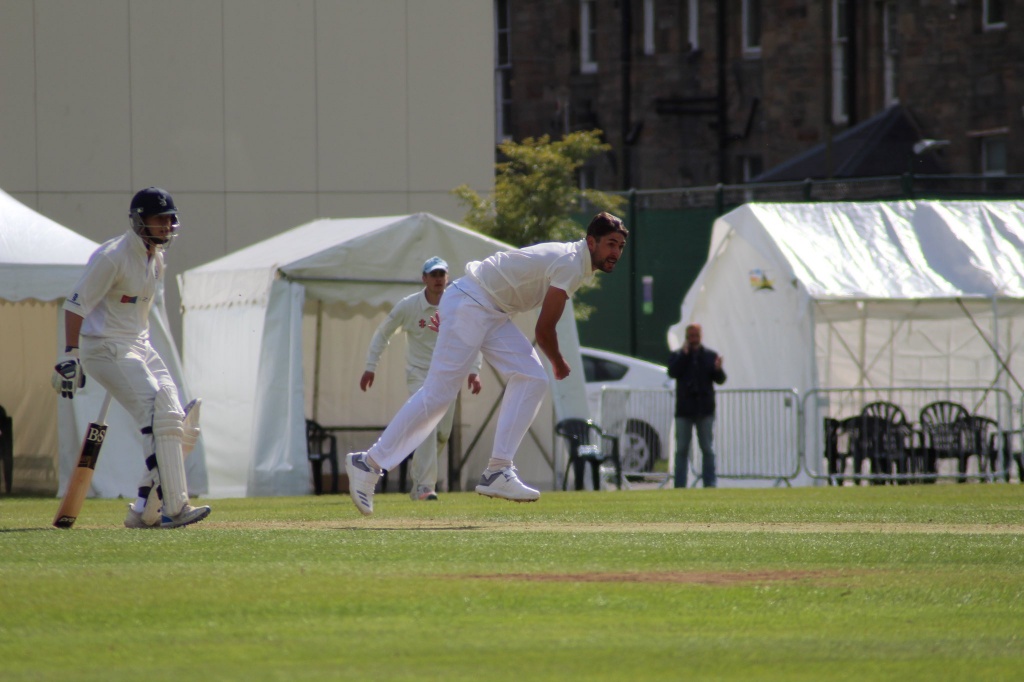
535	191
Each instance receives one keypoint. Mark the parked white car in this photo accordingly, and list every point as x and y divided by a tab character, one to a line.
638	405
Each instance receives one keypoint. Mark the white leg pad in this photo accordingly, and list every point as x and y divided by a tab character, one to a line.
190	434
168	433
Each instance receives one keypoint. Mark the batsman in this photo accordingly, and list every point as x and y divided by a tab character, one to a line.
106	328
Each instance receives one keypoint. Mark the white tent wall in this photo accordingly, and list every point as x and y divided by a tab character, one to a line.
40	261
251	323
864	295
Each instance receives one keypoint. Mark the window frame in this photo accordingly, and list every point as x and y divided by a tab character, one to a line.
751	10
588	36
986	12
840	58
693	24
649	17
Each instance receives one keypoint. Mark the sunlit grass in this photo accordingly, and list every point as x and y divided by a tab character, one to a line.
900	583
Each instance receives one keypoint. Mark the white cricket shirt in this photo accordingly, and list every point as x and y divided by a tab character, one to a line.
117	289
412	315
517	281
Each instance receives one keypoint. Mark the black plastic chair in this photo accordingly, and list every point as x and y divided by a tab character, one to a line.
584	447
7	448
983	440
946	428
321	446
839	434
883	436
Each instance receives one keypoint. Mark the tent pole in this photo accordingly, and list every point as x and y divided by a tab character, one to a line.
316	358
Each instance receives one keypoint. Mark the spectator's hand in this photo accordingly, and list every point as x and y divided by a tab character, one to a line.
68	375
366	380
474	384
435	322
718	363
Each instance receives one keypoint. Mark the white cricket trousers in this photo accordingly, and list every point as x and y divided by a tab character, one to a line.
132	372
424	459
470	324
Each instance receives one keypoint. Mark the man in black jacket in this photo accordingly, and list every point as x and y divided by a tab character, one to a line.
696	370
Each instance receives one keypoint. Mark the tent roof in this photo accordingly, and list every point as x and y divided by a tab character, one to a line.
878	146
377	250
892	250
35	253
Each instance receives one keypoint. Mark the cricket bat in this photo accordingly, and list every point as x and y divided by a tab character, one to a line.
81	478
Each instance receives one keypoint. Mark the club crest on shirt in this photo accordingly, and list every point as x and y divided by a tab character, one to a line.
422	323
129	299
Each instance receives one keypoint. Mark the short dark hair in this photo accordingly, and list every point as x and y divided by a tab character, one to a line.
605	223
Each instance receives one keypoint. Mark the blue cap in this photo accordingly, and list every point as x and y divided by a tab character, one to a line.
435	263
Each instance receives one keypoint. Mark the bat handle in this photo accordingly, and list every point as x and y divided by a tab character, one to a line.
103	410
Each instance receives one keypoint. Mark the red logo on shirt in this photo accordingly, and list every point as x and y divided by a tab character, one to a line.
129	299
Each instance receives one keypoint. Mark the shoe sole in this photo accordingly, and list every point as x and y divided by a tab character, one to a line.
186	523
497	496
353	474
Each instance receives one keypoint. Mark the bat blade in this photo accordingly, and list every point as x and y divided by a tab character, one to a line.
81	478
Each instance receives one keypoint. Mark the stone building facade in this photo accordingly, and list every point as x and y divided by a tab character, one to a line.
697	92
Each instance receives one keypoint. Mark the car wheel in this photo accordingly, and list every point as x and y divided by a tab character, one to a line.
640	448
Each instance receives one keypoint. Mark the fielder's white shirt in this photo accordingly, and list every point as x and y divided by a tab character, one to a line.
118	288
412	315
517	281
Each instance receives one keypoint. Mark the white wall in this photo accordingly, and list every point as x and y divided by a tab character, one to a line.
257	115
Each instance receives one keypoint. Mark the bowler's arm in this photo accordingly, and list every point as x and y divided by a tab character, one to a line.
547	338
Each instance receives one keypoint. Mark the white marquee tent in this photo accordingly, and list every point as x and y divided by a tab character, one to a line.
277	332
865	295
851	294
40	261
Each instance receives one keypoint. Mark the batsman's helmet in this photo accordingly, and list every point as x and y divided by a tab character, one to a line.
148	202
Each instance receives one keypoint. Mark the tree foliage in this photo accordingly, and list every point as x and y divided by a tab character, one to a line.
536	192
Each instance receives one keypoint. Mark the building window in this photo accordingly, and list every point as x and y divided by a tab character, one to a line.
751	167
503	105
993	155
588	36
890	48
502	72
993	14
691	26
648	27
840	63
752	28
503	56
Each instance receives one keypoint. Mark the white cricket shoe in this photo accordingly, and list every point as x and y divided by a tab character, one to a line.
134	520
188	515
423	493
504	483
362	482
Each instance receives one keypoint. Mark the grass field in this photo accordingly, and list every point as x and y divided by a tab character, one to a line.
872	583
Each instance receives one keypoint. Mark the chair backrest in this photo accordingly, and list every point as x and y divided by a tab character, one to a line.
889	412
881	426
316	437
576	430
945	424
982	432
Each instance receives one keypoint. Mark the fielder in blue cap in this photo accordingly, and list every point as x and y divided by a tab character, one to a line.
412	315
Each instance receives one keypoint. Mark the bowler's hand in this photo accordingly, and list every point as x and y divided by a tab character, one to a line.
474	384
435	321
560	368
366	380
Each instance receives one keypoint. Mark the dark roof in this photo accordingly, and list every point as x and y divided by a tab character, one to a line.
879	146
